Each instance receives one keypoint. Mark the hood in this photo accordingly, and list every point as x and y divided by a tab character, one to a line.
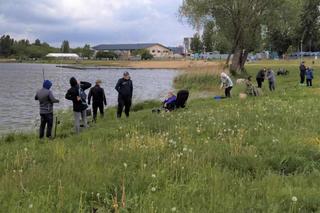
47	84
73	82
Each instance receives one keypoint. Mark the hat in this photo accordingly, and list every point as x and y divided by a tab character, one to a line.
47	84
126	74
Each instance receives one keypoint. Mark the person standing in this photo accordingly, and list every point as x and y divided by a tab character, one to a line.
309	76
227	84
46	101
272	79
261	76
125	90
302	73
98	99
78	97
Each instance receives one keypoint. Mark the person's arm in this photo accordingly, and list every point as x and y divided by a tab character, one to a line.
89	96
131	89
118	85
52	98
85	85
71	96
104	98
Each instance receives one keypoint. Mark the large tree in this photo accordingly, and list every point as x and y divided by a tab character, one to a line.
196	43
65	47
309	28
239	21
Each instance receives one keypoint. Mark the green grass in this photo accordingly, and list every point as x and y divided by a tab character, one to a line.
251	155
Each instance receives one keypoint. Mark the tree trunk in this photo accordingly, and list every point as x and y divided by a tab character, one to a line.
238	61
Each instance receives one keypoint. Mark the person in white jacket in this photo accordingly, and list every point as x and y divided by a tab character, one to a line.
226	84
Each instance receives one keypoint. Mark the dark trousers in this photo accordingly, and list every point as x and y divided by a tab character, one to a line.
272	86
95	107
309	82
259	81
227	92
126	103
302	78
46	120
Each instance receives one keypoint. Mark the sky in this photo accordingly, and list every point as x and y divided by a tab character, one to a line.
94	21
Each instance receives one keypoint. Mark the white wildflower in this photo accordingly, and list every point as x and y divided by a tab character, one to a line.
153	176
153	189
30	206
294	199
173	209
125	165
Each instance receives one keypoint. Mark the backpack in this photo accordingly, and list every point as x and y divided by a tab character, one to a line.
83	97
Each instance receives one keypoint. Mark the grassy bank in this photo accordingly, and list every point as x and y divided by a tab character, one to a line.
254	155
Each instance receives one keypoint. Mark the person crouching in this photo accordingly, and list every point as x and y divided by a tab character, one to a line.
227	84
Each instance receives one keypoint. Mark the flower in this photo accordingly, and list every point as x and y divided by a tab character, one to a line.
125	165
25	149
144	165
173	209
153	176
98	194
30	206
153	189
185	149
20	170
294	199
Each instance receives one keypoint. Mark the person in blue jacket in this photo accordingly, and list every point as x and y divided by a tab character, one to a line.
309	76
170	102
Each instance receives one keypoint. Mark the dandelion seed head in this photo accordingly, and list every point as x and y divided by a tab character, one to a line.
125	165
173	209
153	189
153	176
294	199
30	206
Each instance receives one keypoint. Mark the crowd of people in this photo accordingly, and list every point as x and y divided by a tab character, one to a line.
81	102
124	87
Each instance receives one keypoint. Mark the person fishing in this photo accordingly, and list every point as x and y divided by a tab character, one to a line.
78	97
125	89
227	84
46	101
98	97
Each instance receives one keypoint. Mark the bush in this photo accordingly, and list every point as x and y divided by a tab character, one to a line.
106	55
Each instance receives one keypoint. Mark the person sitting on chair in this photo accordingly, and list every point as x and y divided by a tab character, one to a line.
170	103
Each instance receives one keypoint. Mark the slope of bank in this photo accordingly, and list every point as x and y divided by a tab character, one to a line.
254	155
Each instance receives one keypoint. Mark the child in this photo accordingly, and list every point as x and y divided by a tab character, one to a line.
309	76
272	79
227	84
170	102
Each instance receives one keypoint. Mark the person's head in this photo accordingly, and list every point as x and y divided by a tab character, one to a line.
223	75
170	94
302	63
47	84
98	82
126	75
73	82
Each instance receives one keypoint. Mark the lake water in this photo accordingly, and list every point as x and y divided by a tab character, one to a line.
19	83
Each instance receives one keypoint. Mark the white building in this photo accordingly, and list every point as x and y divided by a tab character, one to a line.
63	55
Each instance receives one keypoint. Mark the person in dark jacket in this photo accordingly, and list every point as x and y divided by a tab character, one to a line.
261	76
309	76
98	99
46	101
302	73
77	95
125	90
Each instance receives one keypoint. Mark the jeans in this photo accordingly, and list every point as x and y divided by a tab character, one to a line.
46	120
309	82
95	107
123	102
302	78
77	116
272	86
259	81
227	92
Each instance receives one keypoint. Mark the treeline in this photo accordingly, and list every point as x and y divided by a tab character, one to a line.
24	49
283	28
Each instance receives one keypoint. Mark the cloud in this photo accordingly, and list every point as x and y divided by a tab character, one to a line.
94	21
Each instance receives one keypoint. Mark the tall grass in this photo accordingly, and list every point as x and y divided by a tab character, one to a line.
254	155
